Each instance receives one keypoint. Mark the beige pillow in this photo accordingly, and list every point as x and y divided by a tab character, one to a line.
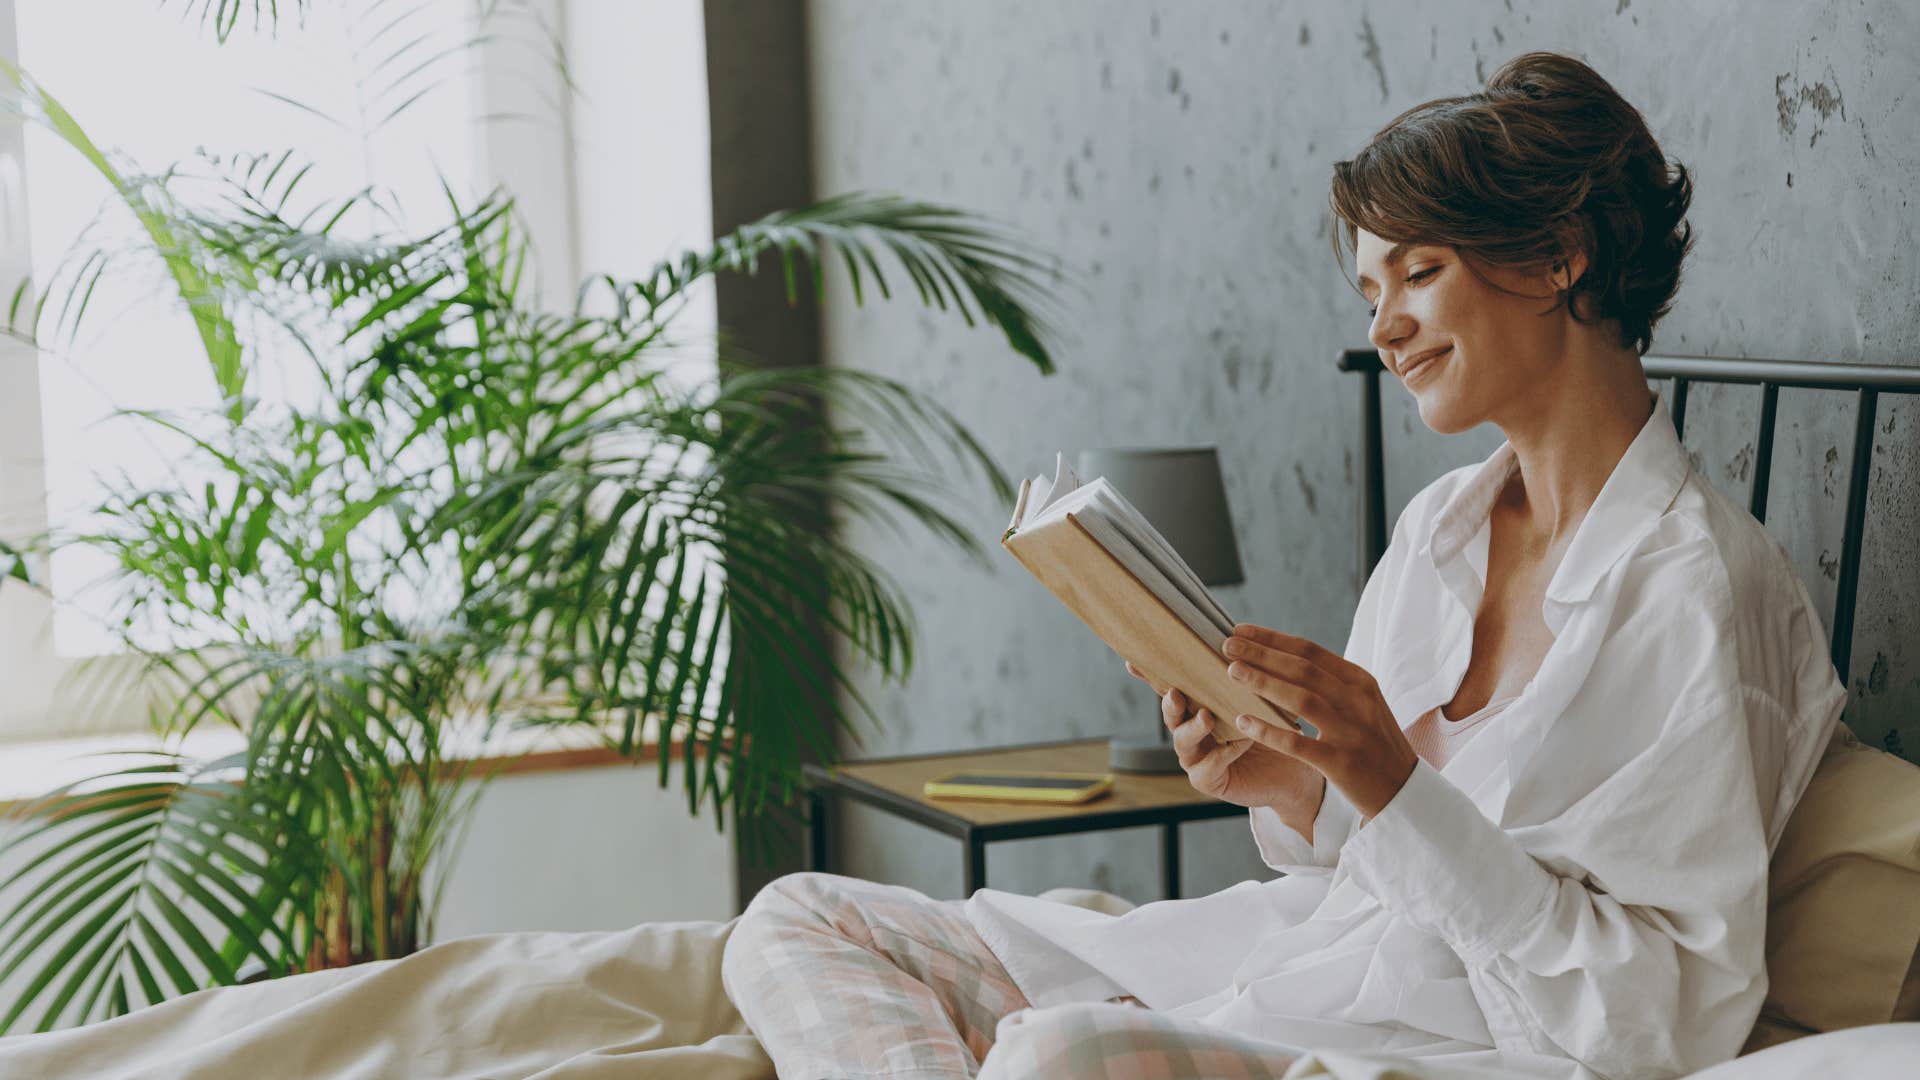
1843	916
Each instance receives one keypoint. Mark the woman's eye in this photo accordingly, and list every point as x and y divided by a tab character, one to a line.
1373	312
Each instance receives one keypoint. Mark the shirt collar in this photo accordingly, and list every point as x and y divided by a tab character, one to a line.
1641	488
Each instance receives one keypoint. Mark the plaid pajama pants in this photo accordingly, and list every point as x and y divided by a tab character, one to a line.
839	977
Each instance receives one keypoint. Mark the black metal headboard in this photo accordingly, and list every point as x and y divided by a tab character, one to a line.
1866	381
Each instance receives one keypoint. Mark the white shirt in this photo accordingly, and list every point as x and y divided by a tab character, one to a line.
1584	886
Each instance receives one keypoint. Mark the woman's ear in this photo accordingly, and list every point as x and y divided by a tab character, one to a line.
1563	271
1571	264
1567	269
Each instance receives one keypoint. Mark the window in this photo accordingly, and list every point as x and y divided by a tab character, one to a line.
324	84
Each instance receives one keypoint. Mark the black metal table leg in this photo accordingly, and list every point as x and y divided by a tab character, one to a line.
976	862
816	831
1170	860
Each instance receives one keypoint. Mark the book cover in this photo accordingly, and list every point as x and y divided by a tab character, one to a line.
1142	620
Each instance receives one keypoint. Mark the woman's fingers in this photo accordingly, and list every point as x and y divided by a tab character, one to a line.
1211	768
1286	666
1173	708
1193	738
1313	752
1295	699
1313	653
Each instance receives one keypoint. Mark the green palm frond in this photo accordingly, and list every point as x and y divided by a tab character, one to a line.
222	17
137	882
308	848
949	256
17	565
491	514
398	52
199	293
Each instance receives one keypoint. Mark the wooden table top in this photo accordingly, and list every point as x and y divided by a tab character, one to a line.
904	777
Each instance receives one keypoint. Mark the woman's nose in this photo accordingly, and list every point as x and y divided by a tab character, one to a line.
1391	325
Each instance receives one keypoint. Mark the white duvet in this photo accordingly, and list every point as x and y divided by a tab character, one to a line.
636	1004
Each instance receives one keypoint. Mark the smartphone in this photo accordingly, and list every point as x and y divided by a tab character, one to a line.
1021	786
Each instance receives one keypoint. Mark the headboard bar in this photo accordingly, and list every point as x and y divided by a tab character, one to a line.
1763	453
1867	381
1856	526
1678	406
1373	467
1886	378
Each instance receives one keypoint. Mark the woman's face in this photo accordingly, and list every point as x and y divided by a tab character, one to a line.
1468	352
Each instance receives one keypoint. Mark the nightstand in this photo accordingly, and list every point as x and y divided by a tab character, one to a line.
894	785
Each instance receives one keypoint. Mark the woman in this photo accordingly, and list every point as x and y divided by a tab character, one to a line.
1581	695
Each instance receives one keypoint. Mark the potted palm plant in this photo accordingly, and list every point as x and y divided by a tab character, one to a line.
486	516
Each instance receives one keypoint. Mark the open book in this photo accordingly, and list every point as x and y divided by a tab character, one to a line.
1108	564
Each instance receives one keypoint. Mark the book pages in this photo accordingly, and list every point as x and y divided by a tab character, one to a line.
1139	623
1040	492
1133	540
1107	563
1115	510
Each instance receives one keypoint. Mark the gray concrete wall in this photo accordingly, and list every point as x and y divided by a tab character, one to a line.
1177	157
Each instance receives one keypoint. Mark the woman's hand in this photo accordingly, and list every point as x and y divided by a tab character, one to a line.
1361	749
1242	772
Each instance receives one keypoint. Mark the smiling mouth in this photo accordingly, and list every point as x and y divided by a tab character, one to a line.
1422	365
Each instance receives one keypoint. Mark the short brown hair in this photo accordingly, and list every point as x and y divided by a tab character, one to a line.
1547	159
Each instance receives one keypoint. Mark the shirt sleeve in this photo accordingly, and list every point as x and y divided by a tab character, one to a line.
1285	850
1595	962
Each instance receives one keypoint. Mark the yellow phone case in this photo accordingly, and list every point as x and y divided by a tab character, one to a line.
1097	784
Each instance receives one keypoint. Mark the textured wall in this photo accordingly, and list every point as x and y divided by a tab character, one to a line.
1177	156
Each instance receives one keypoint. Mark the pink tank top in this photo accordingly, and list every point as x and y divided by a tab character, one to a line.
1436	739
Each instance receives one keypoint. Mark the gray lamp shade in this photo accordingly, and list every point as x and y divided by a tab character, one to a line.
1181	492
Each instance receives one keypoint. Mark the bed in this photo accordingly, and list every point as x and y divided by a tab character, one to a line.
1843	950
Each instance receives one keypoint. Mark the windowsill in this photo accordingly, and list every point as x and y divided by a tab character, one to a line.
31	770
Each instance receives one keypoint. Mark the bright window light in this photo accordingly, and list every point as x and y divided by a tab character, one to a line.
154	88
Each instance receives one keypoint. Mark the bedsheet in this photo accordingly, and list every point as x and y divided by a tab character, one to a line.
639	1003
644	1002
